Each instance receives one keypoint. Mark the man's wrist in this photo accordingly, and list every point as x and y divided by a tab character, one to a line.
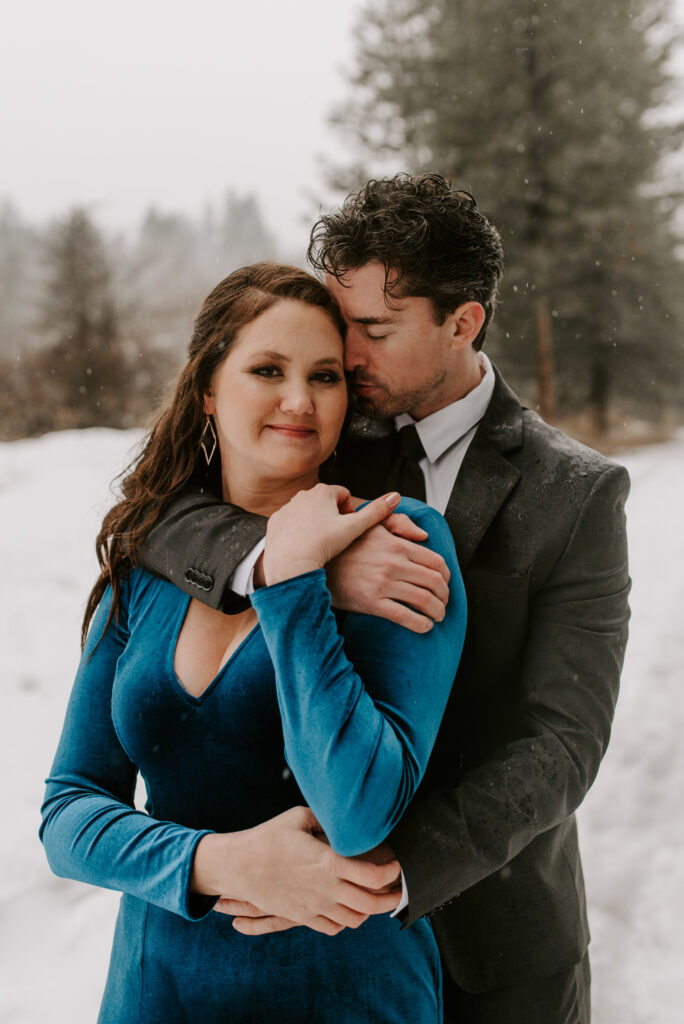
403	901
258	575
242	581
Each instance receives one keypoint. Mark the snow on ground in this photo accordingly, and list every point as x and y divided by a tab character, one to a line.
631	824
55	935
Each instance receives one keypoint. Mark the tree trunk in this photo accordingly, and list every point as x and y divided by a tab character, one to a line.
545	369
598	396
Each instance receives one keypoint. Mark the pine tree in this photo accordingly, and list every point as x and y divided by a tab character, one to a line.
85	362
546	111
245	237
167	280
176	261
20	283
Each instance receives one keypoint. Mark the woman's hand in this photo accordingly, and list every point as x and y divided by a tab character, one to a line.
283	873
314	527
252	920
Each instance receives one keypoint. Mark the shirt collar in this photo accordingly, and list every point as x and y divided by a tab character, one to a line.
442	429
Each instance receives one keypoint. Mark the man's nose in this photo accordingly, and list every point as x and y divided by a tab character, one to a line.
354	348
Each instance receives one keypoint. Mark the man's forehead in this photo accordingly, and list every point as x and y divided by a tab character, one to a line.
362	296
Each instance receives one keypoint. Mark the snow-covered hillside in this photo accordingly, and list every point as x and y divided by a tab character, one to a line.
55	935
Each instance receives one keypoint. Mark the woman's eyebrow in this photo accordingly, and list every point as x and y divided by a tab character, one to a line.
328	361
325	360
268	354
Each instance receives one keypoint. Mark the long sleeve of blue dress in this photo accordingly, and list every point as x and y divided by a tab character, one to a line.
357	714
360	711
90	828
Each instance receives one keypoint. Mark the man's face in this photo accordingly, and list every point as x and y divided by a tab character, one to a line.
399	359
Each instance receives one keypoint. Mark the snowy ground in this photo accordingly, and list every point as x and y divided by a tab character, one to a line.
55	935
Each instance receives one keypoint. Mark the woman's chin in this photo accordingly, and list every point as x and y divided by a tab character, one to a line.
295	467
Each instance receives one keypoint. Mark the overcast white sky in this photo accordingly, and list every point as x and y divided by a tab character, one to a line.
118	105
171	102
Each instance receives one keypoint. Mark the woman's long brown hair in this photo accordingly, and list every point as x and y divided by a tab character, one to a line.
171	458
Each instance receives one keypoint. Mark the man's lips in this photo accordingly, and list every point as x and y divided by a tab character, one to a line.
360	387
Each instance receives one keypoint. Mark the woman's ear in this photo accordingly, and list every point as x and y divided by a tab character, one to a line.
209	403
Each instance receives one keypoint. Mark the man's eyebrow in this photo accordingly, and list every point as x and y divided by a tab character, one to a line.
373	319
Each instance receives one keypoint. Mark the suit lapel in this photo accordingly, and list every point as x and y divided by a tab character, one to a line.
486	477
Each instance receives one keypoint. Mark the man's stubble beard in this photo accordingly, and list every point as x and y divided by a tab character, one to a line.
389	404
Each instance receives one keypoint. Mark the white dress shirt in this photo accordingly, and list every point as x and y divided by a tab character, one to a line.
445	436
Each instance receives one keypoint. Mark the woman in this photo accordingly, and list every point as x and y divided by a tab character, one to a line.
204	704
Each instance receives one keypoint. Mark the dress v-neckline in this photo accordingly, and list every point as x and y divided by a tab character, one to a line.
213	683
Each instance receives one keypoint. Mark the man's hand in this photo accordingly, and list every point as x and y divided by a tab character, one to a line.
385	570
285	872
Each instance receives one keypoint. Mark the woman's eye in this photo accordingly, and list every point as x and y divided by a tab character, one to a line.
327	377
266	371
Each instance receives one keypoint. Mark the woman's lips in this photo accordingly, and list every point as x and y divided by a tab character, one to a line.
298	433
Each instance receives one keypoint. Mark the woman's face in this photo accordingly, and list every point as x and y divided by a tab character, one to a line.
279	397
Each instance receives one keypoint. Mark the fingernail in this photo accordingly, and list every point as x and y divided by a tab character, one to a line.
393	499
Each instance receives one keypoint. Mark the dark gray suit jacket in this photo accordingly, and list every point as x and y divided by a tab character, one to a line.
489	844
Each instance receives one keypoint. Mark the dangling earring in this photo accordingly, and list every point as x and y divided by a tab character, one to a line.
208	426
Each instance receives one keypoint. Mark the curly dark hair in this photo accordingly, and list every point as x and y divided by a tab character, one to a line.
432	238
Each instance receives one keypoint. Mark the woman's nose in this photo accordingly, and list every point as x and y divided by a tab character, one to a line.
297	399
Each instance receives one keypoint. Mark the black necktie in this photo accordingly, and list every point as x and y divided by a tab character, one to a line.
405	475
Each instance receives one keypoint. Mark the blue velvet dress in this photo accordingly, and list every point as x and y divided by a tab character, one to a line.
339	712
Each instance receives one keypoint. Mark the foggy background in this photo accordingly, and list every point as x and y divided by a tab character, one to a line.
147	150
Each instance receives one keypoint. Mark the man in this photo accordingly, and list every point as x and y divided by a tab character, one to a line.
489	847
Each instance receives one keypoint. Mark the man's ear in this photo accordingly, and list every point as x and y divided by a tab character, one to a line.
465	323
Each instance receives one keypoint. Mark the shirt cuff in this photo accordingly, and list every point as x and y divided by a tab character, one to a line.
403	902
242	580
